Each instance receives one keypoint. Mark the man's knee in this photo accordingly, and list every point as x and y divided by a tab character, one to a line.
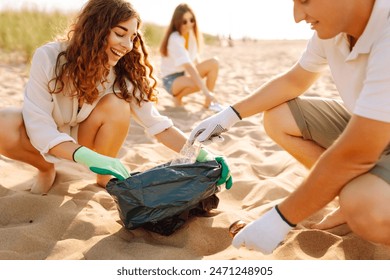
279	120
269	122
365	208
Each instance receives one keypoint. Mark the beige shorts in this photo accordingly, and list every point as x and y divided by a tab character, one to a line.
323	120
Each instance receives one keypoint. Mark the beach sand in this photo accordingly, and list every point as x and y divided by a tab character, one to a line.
79	220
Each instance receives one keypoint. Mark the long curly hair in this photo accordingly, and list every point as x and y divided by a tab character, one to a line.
83	64
175	25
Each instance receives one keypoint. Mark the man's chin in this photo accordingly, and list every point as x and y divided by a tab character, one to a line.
324	36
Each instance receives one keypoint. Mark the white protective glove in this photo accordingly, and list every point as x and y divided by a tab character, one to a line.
264	234
209	130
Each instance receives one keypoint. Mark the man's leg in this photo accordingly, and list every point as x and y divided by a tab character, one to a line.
319	119
364	202
280	125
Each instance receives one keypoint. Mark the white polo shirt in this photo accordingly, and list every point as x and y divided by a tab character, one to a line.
362	76
51	119
178	54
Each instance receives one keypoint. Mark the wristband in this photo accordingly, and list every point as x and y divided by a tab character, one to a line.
284	218
237	113
75	153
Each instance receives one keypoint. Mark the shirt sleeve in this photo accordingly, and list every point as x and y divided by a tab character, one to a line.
38	106
374	101
177	50
313	58
148	116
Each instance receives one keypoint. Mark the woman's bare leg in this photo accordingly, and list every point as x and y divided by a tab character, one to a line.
105	130
209	69
15	144
181	87
184	85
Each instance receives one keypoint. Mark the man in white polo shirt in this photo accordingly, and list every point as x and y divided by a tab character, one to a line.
345	145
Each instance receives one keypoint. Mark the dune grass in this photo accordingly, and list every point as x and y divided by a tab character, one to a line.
24	30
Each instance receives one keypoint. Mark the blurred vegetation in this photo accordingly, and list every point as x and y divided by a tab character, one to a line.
25	30
153	34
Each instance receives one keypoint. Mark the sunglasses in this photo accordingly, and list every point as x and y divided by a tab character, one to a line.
192	20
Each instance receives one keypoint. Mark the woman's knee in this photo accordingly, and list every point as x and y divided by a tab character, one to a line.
214	62
11	121
107	125
11	117
209	66
112	109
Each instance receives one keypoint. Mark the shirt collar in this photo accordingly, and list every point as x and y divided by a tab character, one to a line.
378	19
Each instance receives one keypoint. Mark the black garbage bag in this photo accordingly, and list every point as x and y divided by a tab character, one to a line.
161	199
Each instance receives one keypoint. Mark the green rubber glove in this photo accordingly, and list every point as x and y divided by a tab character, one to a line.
226	178
100	164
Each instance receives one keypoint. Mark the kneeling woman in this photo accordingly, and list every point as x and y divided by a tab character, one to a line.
81	94
182	71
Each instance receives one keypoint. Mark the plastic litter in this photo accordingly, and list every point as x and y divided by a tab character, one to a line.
187	155
216	107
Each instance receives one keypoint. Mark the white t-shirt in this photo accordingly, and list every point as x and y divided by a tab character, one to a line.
362	76
178	54
51	119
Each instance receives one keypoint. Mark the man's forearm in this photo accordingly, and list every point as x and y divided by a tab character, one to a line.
325	181
277	91
354	153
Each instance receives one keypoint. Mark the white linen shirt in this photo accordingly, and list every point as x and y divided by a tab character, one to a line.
178	54
362	76
51	119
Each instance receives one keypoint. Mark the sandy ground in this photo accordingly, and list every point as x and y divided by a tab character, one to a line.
79	220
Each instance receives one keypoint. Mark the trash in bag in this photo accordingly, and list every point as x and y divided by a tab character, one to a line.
188	154
161	199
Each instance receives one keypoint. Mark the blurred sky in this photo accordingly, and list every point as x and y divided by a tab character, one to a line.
260	19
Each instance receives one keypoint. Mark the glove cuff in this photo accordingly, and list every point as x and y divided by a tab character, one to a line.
231	116
84	156
277	224
237	113
74	153
284	218
204	156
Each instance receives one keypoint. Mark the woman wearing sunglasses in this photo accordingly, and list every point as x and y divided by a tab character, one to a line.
182	71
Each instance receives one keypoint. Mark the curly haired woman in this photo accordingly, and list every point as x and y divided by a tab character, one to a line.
81	94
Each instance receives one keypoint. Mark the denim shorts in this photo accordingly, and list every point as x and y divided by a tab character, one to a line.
168	81
323	120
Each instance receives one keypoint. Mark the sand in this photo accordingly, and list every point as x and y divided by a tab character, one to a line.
79	220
